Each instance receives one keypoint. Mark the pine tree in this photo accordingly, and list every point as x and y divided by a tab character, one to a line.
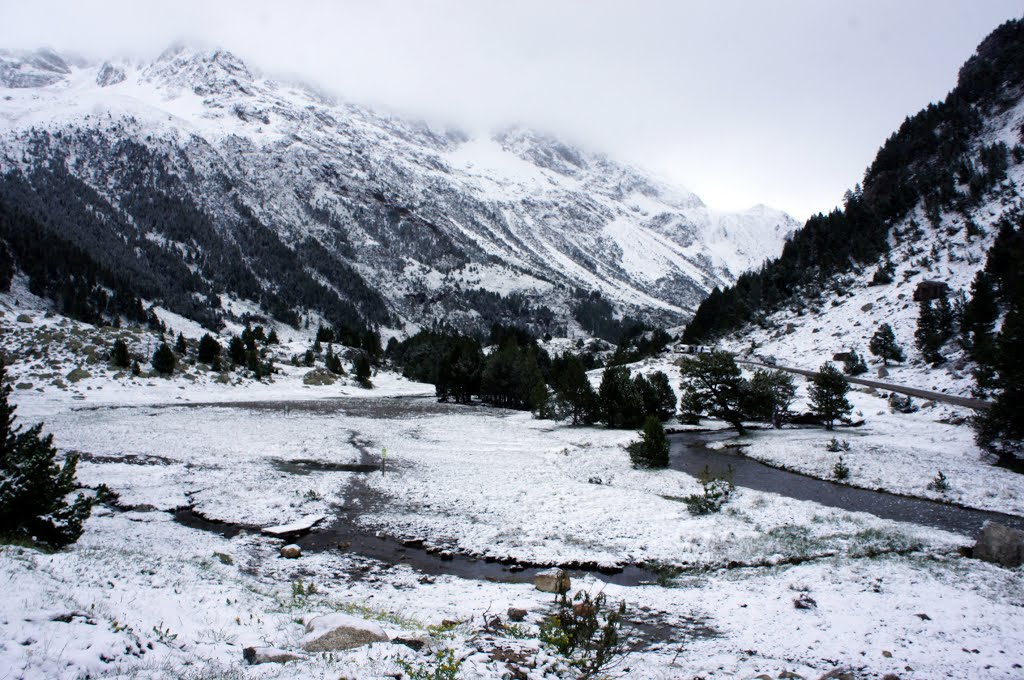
1001	428
652	449
621	405
573	387
769	394
209	349
236	351
272	339
928	336
180	346
979	317
120	355
828	394
883	345
34	490
363	370
164	360
714	383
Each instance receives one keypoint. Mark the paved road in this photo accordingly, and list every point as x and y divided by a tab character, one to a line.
976	404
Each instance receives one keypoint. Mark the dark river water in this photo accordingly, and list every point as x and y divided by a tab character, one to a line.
689	454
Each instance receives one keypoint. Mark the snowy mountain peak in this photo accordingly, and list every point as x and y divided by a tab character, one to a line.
203	71
302	205
31	68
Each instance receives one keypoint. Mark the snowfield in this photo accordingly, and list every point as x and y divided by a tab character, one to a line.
143	594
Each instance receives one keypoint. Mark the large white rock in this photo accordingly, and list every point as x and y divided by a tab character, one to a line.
335	632
552	580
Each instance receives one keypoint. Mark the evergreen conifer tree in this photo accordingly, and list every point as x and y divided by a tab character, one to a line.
883	345
120	355
236	351
714	383
1001	428
164	360
34	489
363	370
769	395
209	349
652	449
180	346
928	336
828	394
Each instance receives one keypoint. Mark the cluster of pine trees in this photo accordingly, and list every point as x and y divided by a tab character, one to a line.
518	373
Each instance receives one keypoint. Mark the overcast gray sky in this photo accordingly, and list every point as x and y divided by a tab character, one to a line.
783	103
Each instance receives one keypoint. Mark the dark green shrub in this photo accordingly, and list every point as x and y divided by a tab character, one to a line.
34	489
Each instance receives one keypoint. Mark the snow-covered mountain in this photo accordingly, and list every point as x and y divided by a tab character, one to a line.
942	202
193	167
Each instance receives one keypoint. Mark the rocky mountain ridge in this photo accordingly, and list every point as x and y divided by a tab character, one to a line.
202	182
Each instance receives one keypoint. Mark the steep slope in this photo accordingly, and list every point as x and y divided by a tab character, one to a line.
196	178
933	202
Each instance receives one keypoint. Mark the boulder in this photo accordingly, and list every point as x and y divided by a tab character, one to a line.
336	632
256	655
883	372
291	551
78	374
552	580
1001	545
319	377
515	614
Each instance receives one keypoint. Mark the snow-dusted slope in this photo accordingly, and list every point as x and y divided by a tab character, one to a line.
850	310
423	215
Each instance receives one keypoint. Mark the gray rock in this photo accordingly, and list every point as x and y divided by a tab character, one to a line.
257	655
790	328
336	632
515	614
1001	545
291	551
109	75
78	374
552	580
805	601
839	674
319	377
414	643
883	372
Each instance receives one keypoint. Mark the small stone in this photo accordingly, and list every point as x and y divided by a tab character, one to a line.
887	654
414	643
923	617
291	551
515	614
805	601
258	655
790	675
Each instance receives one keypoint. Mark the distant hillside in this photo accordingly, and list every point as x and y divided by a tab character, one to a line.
941	168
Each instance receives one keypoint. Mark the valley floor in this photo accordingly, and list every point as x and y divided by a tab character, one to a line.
144	595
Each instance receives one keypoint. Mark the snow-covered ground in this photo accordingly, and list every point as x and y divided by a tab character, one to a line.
141	595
